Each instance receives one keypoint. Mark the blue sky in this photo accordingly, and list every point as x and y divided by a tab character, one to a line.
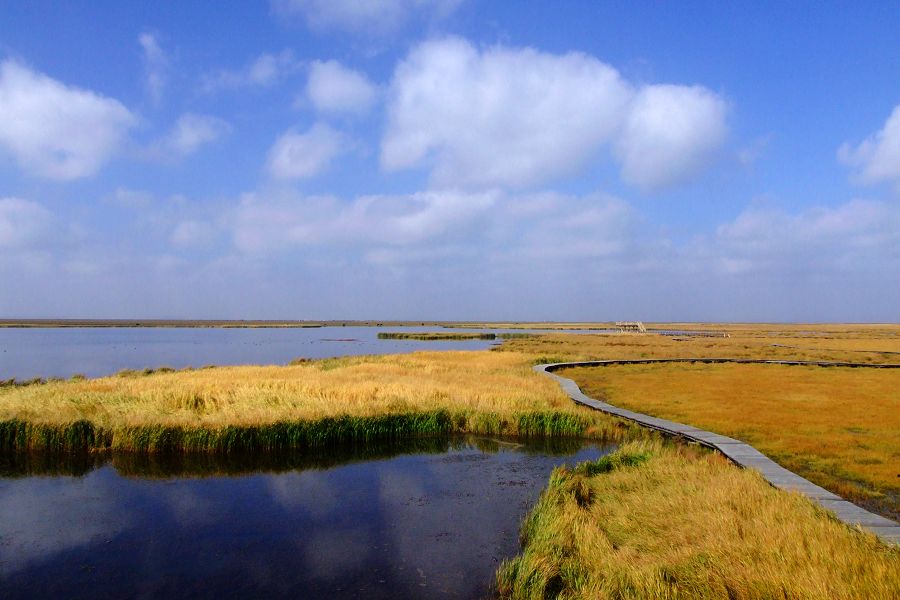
450	159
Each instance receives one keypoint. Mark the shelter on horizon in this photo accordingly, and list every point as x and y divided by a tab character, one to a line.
631	326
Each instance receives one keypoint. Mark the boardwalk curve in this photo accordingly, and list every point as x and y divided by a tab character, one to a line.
737	451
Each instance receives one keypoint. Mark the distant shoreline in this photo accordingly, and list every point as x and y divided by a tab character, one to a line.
273	323
653	327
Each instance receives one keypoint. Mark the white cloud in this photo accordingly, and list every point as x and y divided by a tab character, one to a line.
190	132
518	117
669	134
499	117
877	158
21	222
363	16
462	254
858	235
300	155
265	224
334	88
155	65
264	71
471	230
192	233
596	226
54	130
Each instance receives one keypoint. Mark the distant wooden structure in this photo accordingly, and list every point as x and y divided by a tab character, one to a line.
631	327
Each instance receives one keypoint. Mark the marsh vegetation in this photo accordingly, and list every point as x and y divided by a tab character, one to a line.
657	520
308	404
435	336
660	521
838	427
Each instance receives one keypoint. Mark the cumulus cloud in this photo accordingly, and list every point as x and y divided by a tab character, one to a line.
518	117
370	16
190	132
669	134
54	130
21	222
299	155
877	159
264	71
499	117
334	88
155	65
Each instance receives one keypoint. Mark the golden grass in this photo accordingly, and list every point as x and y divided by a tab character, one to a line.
838	427
309	403
862	344
253	395
665	522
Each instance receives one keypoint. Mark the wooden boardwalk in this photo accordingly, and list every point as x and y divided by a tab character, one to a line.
737	451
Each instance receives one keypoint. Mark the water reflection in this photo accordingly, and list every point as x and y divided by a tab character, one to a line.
236	463
432	517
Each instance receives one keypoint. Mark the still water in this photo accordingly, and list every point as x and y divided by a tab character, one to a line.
430	518
97	351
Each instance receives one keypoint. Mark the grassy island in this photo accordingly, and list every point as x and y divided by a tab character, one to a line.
310	403
436	336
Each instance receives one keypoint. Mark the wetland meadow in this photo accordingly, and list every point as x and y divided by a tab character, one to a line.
457	473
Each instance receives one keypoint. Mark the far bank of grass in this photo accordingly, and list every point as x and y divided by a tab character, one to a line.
851	343
308	404
838	427
435	336
660	521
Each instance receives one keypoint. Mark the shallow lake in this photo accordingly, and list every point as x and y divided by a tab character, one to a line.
425	518
95	351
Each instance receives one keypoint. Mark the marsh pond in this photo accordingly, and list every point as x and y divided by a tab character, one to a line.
430	517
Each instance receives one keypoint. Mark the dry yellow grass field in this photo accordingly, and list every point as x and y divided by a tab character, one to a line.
662	522
487	382
867	344
838	427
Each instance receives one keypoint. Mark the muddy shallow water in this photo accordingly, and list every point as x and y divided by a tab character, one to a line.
429	518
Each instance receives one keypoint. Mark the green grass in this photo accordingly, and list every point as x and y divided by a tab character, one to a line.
18	436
